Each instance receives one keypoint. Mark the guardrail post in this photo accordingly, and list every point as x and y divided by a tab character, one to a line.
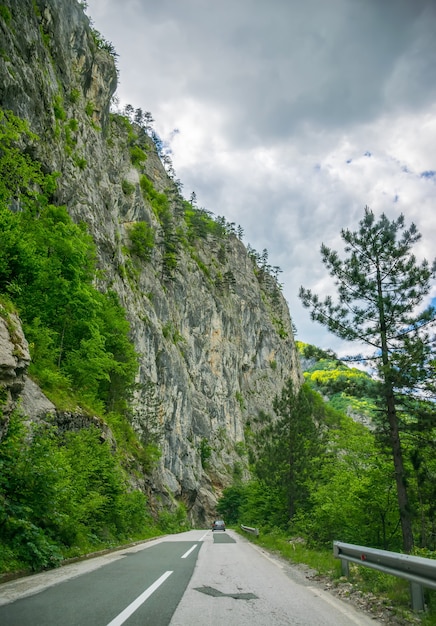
417	596
345	568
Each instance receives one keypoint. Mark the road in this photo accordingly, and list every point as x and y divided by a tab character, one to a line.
196	578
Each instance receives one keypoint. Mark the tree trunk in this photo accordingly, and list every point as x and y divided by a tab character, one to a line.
400	478
394	435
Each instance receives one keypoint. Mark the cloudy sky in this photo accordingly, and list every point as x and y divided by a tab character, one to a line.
291	117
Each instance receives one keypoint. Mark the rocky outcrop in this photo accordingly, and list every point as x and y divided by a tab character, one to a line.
14	360
214	335
19	392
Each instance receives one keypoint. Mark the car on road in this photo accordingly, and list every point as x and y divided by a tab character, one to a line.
218	524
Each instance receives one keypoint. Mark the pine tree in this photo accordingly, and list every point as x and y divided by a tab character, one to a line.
288	448
380	284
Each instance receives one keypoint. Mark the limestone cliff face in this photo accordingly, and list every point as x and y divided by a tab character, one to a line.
213	334
14	360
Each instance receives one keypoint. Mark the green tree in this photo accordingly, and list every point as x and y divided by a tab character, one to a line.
380	285
141	237
354	496
230	503
288	448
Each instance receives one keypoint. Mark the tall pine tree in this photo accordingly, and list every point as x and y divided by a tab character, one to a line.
380	286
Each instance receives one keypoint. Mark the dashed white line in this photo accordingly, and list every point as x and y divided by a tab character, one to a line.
128	611
189	551
205	535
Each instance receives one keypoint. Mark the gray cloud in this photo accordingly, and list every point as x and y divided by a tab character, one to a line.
273	66
277	104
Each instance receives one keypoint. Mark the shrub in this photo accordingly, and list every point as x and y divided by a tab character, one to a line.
141	238
127	187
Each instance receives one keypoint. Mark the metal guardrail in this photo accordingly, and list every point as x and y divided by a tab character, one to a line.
252	531
419	571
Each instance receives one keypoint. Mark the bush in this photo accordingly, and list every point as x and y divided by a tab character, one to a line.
174	522
141	238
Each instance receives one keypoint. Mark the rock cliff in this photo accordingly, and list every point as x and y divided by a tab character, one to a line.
14	360
212	330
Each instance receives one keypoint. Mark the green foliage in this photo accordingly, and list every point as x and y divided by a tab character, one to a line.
141	238
80	162
5	14
265	505
341	379
20	176
238	471
58	108
312	352
74	95
204	268
62	495
205	452
169	332
296	550
345	389
126	125
200	223
287	449
280	327
171	236
137	155
318	474
230	503
240	448
174	522
354	500
102	43
266	274
127	187
372	471
78	336
159	201
240	398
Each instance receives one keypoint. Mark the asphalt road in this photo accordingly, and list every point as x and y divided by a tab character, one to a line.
197	578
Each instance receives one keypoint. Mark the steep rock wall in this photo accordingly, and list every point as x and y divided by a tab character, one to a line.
14	360
213	351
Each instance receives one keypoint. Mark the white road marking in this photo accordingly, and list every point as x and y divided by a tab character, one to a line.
205	535
128	611
189	551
